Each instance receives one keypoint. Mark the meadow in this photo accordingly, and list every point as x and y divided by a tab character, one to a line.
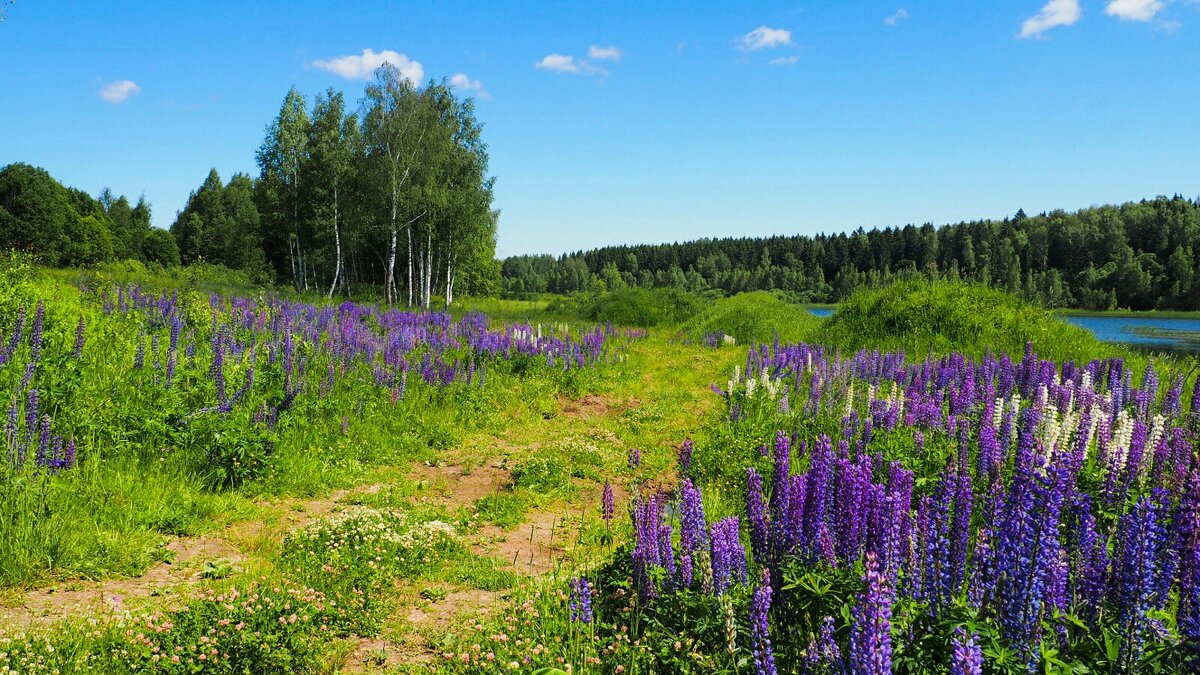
939	478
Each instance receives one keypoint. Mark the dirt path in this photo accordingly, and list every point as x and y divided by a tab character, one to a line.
655	412
191	561
663	400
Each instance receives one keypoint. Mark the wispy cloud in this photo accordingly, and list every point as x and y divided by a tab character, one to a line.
900	15
119	91
1055	13
363	66
1134	10
609	53
764	38
784	60
461	82
565	63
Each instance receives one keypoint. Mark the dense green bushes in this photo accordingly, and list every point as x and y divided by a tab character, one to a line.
939	317
758	316
640	307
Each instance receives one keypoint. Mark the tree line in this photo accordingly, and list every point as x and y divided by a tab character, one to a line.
394	194
1139	255
67	227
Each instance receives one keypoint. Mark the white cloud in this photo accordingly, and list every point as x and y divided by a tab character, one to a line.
785	60
461	81
119	91
900	15
1134	10
764	38
363	66
1054	13
565	63
609	53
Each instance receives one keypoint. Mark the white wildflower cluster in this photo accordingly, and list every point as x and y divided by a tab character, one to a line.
763	382
369	532
1122	439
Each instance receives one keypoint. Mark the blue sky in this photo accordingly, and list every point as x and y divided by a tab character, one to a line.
645	121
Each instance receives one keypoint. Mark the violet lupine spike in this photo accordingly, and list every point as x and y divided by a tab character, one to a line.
139	354
757	513
607	506
728	555
685	457
692	531
760	625
968	657
42	456
77	352
1141	538
635	458
18	333
35	334
871	629
580	602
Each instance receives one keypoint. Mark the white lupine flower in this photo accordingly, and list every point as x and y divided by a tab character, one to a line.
849	400
998	413
1122	437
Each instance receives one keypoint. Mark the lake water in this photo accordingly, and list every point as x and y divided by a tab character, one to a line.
1124	329
1127	329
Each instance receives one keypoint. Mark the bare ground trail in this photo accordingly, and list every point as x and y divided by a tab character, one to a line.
663	398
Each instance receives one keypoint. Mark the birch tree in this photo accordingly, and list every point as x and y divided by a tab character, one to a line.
280	160
333	142
395	121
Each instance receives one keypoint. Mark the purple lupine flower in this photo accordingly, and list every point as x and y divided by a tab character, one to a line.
77	353
30	369
983	571
580	602
692	531
635	458
685	457
968	657
607	507
825	653
960	531
31	425
871	631
14	340
1141	538
760	636
35	334
757	513
42	457
139	354
1172	400
68	460
728	556
647	519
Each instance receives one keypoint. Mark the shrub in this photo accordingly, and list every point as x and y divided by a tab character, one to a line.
939	317
754	317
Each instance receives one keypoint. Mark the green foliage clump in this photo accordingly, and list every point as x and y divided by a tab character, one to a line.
643	307
923	317
755	317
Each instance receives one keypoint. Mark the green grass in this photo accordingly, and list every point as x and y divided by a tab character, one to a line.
922	317
755	317
559	437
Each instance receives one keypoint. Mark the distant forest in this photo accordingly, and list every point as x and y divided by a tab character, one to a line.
394	194
1139	255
